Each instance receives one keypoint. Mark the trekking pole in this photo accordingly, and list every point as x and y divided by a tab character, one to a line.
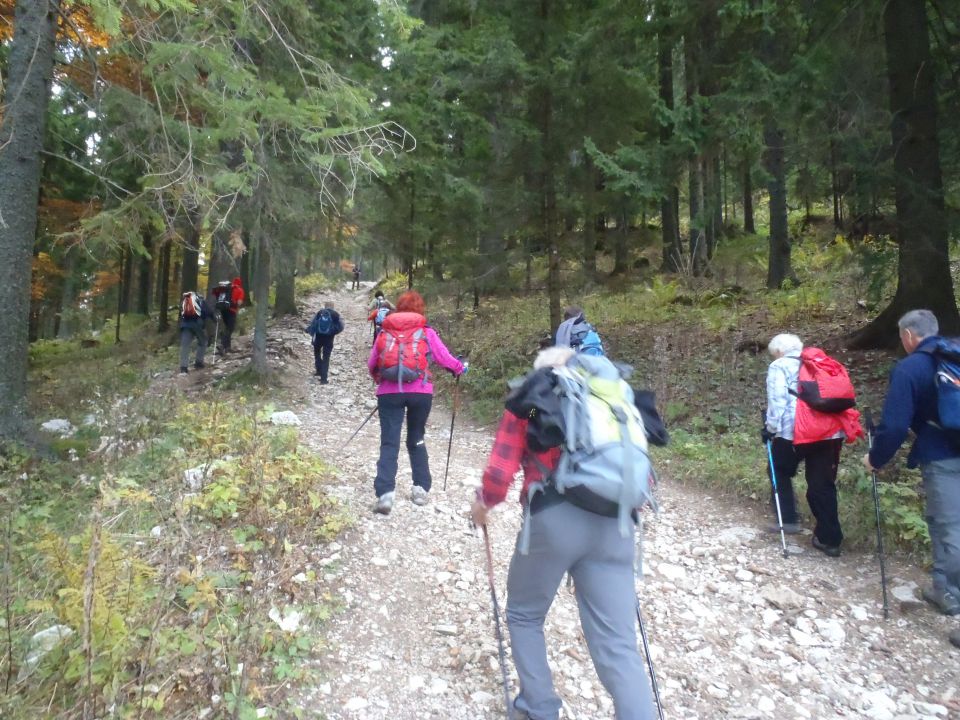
776	497
646	650
361	425
216	334
876	504
453	416
496	620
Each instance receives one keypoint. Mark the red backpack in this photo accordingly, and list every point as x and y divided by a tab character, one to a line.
190	306
826	399
403	352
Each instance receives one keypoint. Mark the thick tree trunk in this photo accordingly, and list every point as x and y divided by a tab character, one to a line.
923	276
163	324
779	268
29	69
246	278
748	224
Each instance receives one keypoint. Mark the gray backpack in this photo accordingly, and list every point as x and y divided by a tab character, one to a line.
604	466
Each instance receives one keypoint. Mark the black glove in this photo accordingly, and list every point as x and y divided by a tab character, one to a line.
766	435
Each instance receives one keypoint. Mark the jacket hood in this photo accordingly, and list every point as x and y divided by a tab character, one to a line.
237	282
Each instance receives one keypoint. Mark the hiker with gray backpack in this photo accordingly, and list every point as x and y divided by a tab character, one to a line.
577	333
324	327
573	427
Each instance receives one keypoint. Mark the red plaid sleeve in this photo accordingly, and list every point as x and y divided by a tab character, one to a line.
508	449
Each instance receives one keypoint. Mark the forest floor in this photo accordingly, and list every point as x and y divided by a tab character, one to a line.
735	629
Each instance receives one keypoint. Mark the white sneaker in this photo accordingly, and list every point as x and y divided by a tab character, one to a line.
419	495
384	503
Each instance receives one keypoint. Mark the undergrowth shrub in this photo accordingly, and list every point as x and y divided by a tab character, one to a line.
173	599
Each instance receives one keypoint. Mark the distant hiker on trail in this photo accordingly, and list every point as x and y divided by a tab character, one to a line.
324	327
228	299
399	365
798	433
577	333
355	285
564	537
193	316
912	404
379	308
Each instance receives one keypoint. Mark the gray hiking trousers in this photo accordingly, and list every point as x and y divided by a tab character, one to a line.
197	332
564	538
941	484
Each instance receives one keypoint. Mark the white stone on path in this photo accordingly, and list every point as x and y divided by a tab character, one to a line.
285	417
60	426
355	704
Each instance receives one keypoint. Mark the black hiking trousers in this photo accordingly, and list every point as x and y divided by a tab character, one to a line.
821	460
392	409
322	347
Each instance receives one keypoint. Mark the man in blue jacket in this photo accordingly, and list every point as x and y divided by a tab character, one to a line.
911	404
326	325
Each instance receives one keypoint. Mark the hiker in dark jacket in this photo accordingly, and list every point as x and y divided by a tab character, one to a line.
232	296
193	327
911	404
324	327
563	538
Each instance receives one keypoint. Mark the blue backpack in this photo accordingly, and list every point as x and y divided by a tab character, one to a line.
585	339
946	353
324	322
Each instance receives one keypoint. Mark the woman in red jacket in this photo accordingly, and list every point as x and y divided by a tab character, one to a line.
399	364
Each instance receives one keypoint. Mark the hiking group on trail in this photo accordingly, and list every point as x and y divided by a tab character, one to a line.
579	433
194	312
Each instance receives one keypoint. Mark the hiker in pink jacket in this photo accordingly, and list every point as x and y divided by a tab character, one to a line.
400	365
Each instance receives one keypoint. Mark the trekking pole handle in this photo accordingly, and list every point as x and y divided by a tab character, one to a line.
869	418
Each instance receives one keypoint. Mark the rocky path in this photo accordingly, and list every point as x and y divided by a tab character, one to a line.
736	630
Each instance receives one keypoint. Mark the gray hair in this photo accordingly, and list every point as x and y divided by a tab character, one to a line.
785	343
921	323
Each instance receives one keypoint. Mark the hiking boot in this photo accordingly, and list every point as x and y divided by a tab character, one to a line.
788	529
384	503
418	495
183	369
955	638
942	600
199	365
828	550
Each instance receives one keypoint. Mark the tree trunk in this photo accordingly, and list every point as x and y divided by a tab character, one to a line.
146	274
698	245
189	268
669	219
286	301
245	276
923	276
29	69
261	284
779	268
163	324
748	225
621	246
68	296
590	222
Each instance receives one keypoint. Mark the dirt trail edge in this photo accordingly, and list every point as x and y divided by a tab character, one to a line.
736	630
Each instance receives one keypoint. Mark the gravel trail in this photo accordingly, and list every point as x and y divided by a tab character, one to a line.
736	630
